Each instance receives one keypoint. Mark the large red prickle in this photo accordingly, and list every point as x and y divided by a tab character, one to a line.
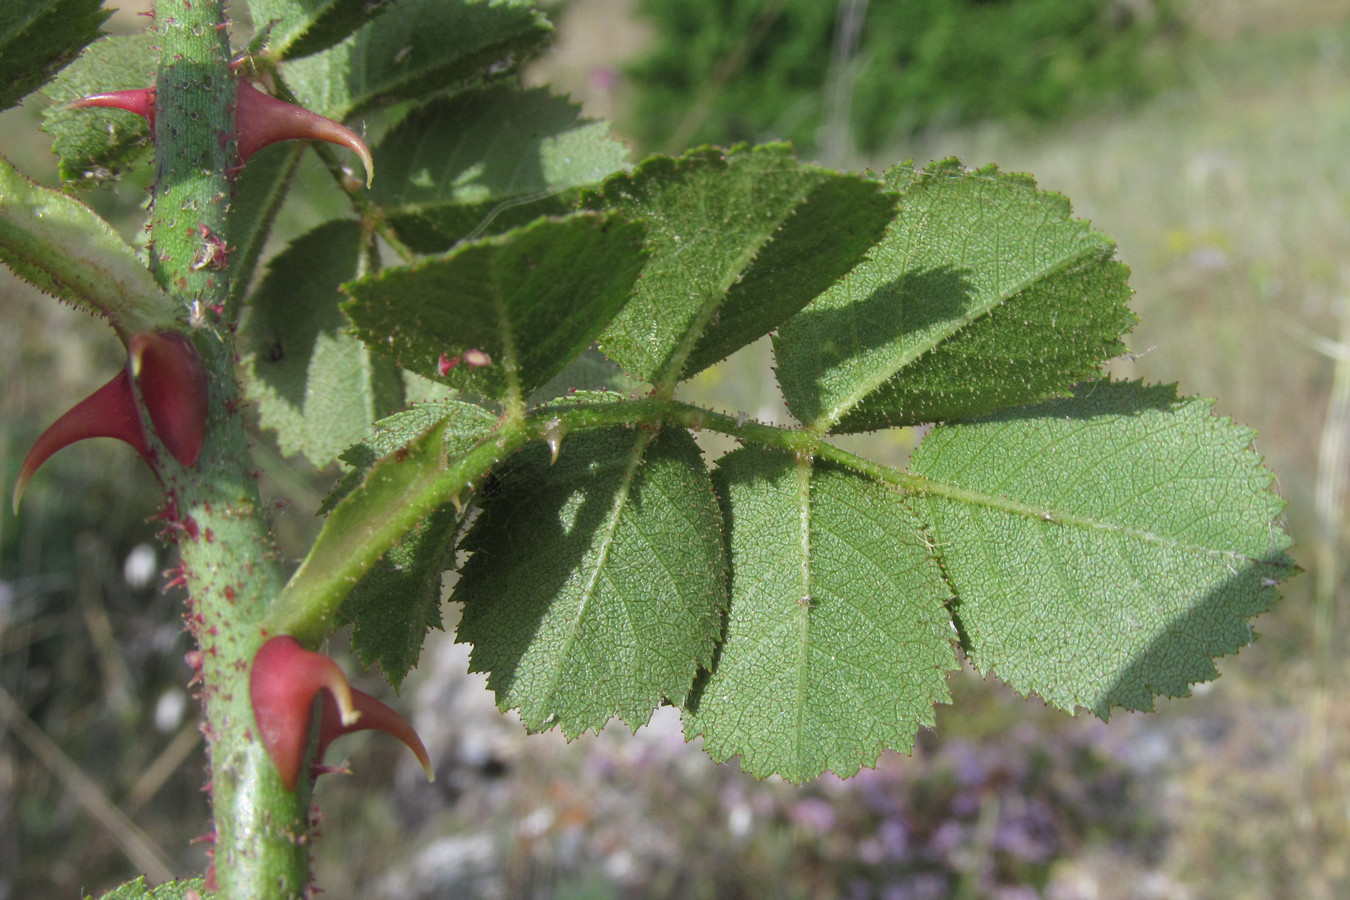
173	382
140	101
259	119
375	716
109	411
282	684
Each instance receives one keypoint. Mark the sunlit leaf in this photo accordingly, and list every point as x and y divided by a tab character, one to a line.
1103	548
837	641
740	240
984	293
600	579
502	315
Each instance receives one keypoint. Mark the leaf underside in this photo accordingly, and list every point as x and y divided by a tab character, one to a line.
837	643
1108	545
599	582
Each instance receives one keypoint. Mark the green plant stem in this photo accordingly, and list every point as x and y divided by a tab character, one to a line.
229	565
348	546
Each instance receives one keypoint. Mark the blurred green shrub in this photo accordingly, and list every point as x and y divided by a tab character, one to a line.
732	70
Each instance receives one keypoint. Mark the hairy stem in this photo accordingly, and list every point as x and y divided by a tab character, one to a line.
229	565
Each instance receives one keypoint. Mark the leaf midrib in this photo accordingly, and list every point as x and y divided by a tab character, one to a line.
865	386
607	531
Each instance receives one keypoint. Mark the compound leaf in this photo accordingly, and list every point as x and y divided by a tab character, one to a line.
315	383
984	294
837	642
484	161
1105	547
502	315
740	240
600	580
38	37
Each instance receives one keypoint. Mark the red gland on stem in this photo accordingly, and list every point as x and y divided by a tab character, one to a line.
259	119
282	684
173	385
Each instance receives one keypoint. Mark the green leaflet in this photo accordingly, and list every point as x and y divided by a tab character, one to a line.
837	642
300	27
139	890
1103	548
38	37
739	240
484	161
315	384
60	245
403	54
94	145
600	583
531	300
591	371
983	294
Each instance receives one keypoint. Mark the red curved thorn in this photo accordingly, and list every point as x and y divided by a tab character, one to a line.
140	101
374	715
261	119
173	383
282	684
109	411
